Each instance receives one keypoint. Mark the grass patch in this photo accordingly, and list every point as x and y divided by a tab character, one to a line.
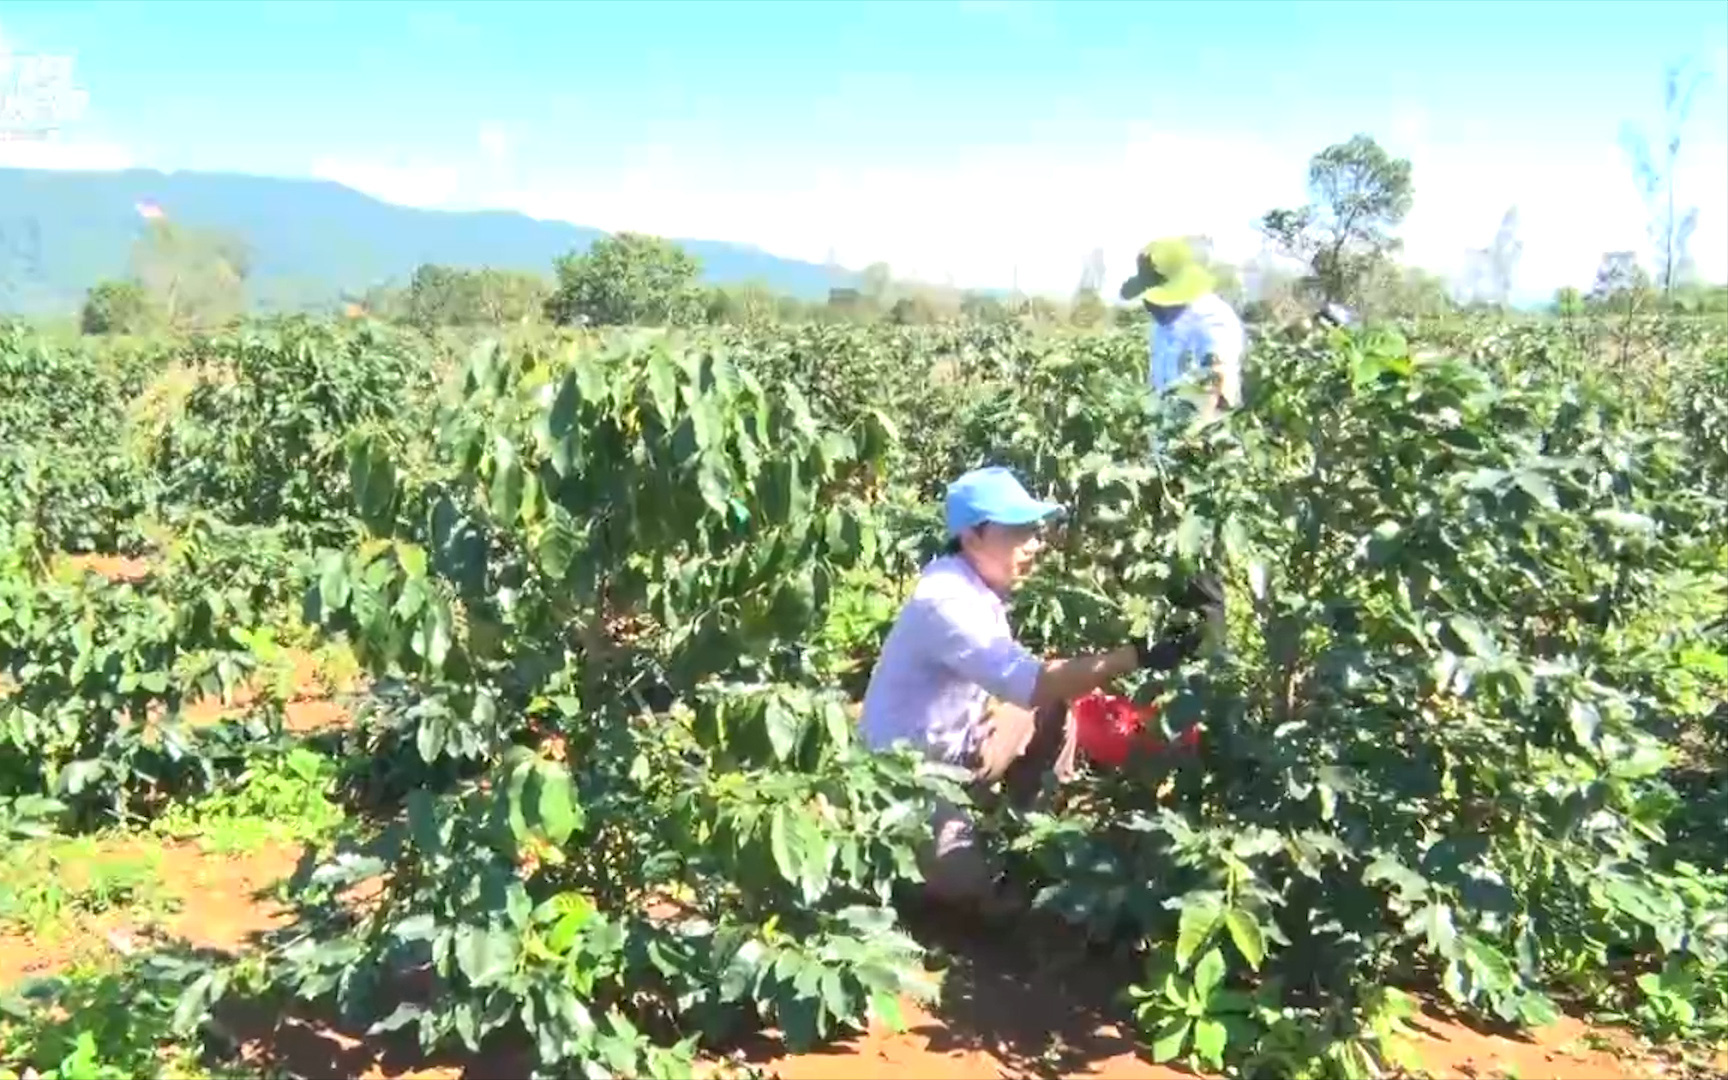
107	1020
278	800
47	886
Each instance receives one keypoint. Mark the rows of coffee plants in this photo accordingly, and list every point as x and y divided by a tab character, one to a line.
613	595
1444	747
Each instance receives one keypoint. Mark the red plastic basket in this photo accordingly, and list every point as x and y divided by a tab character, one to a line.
1108	727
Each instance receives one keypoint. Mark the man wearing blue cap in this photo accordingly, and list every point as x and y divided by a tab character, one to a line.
954	682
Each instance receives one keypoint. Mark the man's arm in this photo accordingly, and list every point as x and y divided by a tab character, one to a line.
1006	669
1225	343
1065	680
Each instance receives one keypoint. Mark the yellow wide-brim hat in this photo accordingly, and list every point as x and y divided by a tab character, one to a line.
1166	274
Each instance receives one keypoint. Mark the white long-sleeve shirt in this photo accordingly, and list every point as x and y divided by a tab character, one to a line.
1206	333
950	650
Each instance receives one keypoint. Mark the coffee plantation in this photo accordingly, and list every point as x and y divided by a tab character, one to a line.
610	598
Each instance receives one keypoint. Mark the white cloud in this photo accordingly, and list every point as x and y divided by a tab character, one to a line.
63	155
986	216
480	181
405	184
974	217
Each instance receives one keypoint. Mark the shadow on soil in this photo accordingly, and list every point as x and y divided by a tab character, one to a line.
313	1043
1035	996
1034	999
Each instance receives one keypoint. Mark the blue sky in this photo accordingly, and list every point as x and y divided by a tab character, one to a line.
978	141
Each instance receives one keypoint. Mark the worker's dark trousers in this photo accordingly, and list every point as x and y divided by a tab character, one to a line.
1202	594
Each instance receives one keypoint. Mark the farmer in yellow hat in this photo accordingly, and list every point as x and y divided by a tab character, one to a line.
1194	331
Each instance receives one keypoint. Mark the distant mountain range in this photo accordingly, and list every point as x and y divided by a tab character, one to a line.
310	240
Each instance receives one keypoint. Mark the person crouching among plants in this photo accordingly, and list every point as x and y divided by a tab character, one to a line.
953	681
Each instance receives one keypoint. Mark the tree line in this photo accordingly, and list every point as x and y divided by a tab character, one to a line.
1340	246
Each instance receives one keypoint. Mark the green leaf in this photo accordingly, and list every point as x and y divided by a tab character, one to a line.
333	585
485	956
404	1014
1434	922
423	824
78	775
518	906
815	858
563	934
561	420
1625	521
194	1002
1170	1038
412	557
1639	901
1538	488
1245	932
507	482
1473	635
1585	721
783	727
780	846
554	801
886	1008
556	546
663	387
422	927
432	637
1193	930
1191	535
430	739
711	483
1536	1009
1210	1038
372	477
1208	973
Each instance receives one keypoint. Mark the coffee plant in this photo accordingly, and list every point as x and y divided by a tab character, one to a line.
1431	752
634	820
615	596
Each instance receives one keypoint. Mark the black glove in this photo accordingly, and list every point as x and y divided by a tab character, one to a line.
1201	592
1168	652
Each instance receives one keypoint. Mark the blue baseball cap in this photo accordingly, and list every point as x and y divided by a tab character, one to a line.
993	494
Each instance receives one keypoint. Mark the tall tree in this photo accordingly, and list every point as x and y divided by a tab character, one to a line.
452	296
628	280
1087	308
1491	271
1619	278
1670	227
875	283
1092	271
195	277
1358	193
116	307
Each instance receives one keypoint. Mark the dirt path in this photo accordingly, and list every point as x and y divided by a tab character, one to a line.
308	704
1003	1013
214	901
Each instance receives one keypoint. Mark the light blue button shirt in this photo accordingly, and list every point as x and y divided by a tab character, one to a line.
949	651
1207	332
